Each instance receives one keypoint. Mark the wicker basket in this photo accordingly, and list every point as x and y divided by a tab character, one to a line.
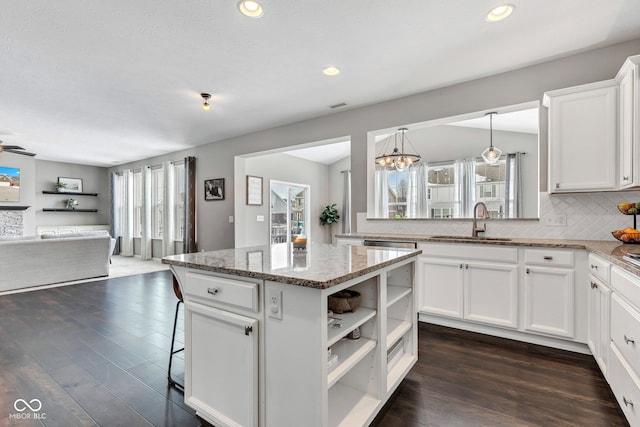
344	301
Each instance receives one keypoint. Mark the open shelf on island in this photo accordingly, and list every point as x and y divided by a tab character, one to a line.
349	352
348	403
349	322
395	330
396	293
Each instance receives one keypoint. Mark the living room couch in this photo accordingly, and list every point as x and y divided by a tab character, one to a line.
48	259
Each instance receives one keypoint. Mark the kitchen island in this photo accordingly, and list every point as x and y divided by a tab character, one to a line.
262	348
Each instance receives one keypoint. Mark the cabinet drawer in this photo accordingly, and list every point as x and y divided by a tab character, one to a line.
548	257
472	251
219	290
625	331
625	386
599	268
626	284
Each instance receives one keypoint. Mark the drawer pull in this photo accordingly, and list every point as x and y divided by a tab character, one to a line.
594	285
212	291
528	271
248	330
629	340
627	402
547	258
625	178
594	267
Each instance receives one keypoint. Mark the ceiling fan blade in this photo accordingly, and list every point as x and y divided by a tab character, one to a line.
25	153
10	147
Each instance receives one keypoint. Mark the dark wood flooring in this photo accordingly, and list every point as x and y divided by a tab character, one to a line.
96	354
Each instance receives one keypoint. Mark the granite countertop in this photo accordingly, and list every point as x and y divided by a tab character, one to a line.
612	251
321	266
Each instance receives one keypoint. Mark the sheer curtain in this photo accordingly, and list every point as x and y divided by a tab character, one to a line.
346	202
145	239
382	190
513	186
126	221
465	189
417	200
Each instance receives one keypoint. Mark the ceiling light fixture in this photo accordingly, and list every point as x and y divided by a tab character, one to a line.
250	8
205	101
398	159
492	154
331	71
499	13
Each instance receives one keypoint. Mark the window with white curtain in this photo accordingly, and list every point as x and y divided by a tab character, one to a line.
138	197
178	198
157	200
120	203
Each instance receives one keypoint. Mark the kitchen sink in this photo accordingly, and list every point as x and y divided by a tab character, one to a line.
475	239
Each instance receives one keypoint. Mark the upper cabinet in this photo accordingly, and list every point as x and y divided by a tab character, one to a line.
594	134
629	131
583	124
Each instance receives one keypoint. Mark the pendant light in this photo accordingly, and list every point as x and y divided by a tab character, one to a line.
492	154
398	159
205	101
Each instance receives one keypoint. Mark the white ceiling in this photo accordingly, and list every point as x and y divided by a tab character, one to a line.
524	121
107	82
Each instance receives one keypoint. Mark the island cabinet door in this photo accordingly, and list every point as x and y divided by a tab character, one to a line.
440	287
221	365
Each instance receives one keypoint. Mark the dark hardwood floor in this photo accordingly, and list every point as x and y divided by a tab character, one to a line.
96	354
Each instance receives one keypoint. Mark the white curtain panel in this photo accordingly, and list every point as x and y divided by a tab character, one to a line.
382	190
417	200
346	202
145	239
168	219
465	188
126	223
513	186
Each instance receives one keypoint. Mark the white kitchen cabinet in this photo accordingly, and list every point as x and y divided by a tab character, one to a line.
598	334
462	287
628	132
583	129
221	365
549	301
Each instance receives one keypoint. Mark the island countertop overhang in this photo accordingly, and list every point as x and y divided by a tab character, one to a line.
321	266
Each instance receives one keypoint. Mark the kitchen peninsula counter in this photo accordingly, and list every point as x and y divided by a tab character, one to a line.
262	347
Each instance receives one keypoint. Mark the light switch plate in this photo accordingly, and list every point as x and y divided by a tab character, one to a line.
559	220
260	218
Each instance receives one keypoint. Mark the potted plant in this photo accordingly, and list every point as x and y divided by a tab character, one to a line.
60	186
329	216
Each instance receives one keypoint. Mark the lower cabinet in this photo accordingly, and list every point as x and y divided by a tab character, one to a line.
549	296
221	365
598	335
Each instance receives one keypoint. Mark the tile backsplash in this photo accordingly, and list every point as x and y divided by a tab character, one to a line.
589	216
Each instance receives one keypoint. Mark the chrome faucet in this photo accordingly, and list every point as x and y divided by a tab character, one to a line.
482	214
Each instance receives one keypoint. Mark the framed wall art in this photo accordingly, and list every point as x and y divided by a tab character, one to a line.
70	185
214	189
254	190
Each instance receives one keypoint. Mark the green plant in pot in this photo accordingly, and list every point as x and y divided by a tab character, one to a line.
61	186
329	216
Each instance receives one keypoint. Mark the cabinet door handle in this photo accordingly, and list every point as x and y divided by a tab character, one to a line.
212	291
625	178
461	265
466	266
594	267
594	285
627	402
248	330
547	258
629	340
557	186
528	271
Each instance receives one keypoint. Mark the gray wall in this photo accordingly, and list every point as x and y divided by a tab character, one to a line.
94	180
528	84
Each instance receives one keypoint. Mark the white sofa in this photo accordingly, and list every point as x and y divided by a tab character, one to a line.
48	259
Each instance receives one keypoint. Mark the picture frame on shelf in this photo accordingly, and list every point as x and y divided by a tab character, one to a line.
70	185
214	189
254	190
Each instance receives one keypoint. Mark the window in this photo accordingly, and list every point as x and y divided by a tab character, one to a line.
157	200
398	183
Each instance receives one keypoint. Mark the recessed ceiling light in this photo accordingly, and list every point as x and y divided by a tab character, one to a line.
250	8
331	70
499	13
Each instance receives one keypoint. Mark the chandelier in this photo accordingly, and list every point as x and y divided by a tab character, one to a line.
398	159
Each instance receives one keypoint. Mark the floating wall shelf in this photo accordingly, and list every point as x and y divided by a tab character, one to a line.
69	193
13	208
68	210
